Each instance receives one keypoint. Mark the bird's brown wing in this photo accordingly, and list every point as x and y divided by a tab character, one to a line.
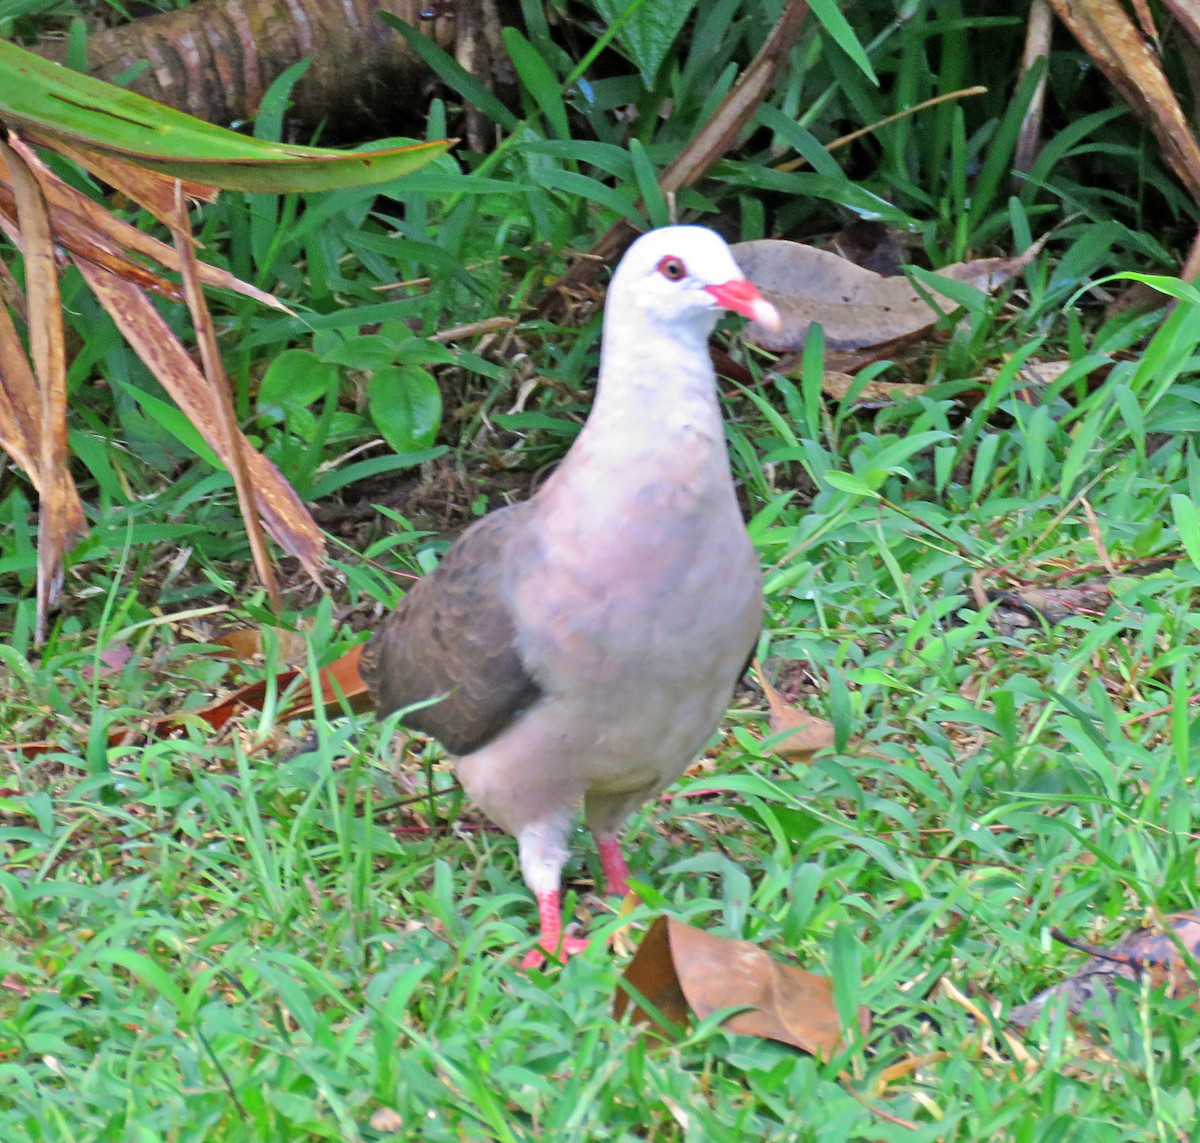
453	635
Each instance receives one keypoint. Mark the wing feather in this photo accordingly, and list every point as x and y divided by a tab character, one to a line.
454	635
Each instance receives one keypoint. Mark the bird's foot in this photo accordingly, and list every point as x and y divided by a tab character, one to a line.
558	949
553	940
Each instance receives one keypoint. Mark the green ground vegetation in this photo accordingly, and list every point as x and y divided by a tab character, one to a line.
215	937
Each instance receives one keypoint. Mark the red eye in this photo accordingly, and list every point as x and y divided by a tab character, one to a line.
672	268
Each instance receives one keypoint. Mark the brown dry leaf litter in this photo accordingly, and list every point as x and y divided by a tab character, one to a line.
681	971
1164	955
857	308
44	217
242	644
804	734
1107	33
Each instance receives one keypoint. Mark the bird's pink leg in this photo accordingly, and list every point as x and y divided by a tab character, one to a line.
551	939
543	851
612	861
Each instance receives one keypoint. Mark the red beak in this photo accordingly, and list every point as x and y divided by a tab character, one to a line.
742	297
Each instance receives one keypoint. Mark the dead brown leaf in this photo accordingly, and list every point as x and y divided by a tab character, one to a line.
1034	374
1106	32
43	217
13	983
387	1120
60	514
1187	15
681	970
1136	297
874	246
235	453
1037	49
1164	954
283	512
804	734
113	659
20	404
151	189
837	384
339	683
1032	605
245	643
857	308
86	228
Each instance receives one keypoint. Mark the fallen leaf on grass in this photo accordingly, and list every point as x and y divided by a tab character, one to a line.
338	680
340	685
387	1120
836	384
904	1069
12	983
857	308
681	970
1165	954
1031	606
245	643
1049	600
804	734
1012	1048
1033	375
113	658
1135	298
1038	374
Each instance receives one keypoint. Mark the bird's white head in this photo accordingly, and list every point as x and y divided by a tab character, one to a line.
685	276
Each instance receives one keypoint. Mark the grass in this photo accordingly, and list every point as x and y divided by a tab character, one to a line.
213	938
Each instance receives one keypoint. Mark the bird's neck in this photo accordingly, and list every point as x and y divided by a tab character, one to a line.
657	389
654	436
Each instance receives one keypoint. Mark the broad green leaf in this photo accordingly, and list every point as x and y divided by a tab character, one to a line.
296	377
177	424
655	204
273	107
368	351
150	971
406	406
16	9
57	102
418	351
848	482
963	294
647	29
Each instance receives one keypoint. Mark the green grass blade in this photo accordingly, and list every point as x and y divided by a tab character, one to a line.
541	83
452	73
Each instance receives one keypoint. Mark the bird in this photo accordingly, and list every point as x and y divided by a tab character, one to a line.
582	646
